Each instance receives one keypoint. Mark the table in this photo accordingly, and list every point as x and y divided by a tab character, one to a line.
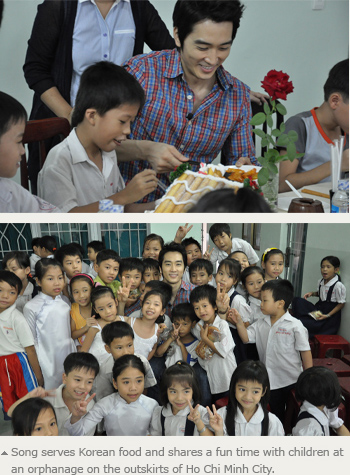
284	199
340	368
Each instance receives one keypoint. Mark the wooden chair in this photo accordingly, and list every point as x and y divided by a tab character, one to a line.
39	131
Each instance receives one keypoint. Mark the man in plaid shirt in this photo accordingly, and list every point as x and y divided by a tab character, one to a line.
194	108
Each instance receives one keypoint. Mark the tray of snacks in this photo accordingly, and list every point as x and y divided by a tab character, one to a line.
188	186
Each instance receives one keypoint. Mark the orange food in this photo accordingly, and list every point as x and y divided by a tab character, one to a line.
236	174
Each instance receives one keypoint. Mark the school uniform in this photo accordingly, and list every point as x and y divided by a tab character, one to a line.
174	353
33	259
165	423
17	377
254	426
120	418
63	414
144	346
256	313
49	321
92	271
237	245
28	294
317	422
103	383
97	347
240	304
219	368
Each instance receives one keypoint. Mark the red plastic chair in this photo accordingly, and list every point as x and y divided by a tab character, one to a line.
340	368
331	342
39	131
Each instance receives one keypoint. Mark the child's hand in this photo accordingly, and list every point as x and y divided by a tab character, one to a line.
124	291
215	421
141	185
208	253
91	321
308	295
41	392
182	232
233	316
222	300
194	414
322	317
79	408
204	332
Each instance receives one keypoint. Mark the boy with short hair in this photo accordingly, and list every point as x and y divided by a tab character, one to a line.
280	340
221	365
119	340
151	270
316	130
83	169
93	248
20	371
201	272
18	263
130	271
70	259
225	244
13	197
107	268
35	257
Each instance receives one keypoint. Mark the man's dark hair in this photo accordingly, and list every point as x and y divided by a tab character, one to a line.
338	81
11	112
131	263
67	250
217	229
199	264
105	86
172	247
281	289
187	13
107	254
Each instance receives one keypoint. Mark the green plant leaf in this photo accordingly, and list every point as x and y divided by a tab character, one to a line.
272	167
264	142
271	141
258	119
299	155
282	127
291	151
293	136
259	133
263	176
269	121
276	132
281	109
283	140
263	160
267	109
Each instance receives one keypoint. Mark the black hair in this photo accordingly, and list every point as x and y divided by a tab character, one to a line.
189	241
218	229
281	289
163	287
150	263
334	261
249	271
97	293
182	373
11	279
319	386
172	247
20	257
163	299
36	242
199	264
203	292
338	81
49	243
105	86
81	360
85	277
269	253
26	414
68	250
248	371
97	246
107	254
11	113
42	266
127	361
227	200
187	13
153	237
236	252
130	264
116	330
183	310
232	267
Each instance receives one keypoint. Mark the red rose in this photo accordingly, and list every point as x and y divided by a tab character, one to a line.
276	84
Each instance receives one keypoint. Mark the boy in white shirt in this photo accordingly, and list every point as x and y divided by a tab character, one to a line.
35	257
282	341
93	248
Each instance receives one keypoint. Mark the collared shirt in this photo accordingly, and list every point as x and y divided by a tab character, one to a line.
71	179
101	39
62	412
114	286
310	427
255	305
182	296
15	334
174	353
222	118
339	291
279	347
16	199
175	425
237	245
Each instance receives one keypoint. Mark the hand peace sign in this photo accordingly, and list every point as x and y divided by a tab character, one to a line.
194	414
215	421
182	232
124	290
208	253
79	408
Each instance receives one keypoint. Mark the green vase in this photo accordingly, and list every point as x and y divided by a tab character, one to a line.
270	191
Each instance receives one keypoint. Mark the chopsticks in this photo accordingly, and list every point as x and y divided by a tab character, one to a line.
315	193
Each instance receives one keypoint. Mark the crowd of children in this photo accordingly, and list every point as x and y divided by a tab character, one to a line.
126	346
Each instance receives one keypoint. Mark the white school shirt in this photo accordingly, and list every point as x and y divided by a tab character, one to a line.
49	321
92	271
103	384
16	199
176	355
237	245
310	427
97	347
33	260
25	297
120	418
339	291
144	346
219	368
240	304
62	412
69	178
15	334
174	425
253	427
254	305
279	346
